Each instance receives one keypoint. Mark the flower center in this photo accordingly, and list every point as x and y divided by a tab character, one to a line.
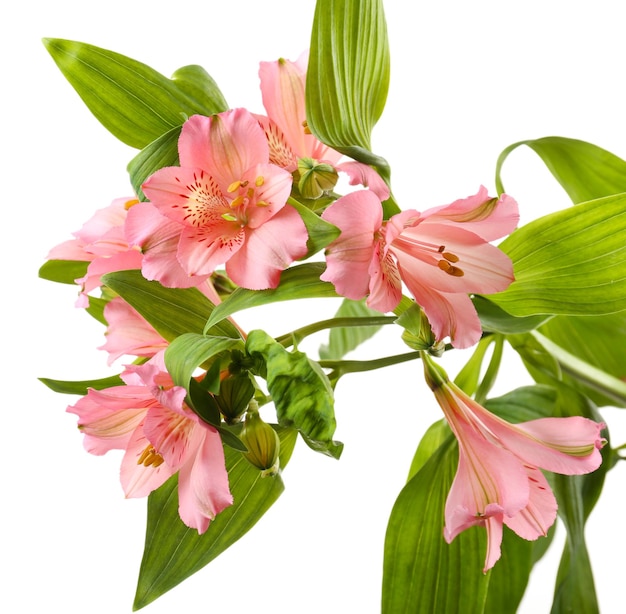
448	265
150	457
245	194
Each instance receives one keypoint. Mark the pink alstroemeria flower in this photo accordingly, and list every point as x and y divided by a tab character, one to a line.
102	243
498	480
283	92
228	203
442	255
161	436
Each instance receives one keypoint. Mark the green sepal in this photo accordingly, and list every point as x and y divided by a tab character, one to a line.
63	271
173	551
300	390
134	102
321	233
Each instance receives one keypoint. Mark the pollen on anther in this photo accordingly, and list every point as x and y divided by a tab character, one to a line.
260	180
233	187
450	257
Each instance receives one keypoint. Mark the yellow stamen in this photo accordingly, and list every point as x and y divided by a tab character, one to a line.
233	187
260	180
150	457
237	201
455	271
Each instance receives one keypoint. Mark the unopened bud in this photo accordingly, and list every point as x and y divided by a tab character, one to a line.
262	442
418	333
235	394
315	178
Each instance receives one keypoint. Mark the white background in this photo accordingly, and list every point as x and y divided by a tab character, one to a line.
467	80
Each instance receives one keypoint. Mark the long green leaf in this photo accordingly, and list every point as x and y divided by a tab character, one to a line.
171	311
572	262
134	102
584	170
63	271
80	387
423	574
348	72
302	281
173	551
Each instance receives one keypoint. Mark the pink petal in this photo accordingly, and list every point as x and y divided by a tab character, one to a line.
139	478
109	417
283	92
385	289
128	333
268	250
236	143
281	153
203	490
365	175
490	221
540	513
348	259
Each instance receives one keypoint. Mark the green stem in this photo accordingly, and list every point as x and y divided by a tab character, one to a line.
295	336
341	367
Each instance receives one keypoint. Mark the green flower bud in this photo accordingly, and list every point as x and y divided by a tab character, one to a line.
235	394
315	179
418	334
262	442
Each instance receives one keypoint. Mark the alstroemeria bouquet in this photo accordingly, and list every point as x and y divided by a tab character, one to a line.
233	210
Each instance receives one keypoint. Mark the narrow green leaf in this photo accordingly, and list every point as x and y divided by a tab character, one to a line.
423	574
171	311
134	102
162	152
302	281
63	271
80	387
572	262
300	391
584	170
199	86
173	551
321	233
345	339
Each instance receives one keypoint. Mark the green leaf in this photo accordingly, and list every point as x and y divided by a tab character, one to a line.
572	262
598	341
302	281
345	339
199	86
423	574
348	72
63	271
524	403
321	232
584	170
300	391
494	319
80	387
171	311
134	102
173	551
160	153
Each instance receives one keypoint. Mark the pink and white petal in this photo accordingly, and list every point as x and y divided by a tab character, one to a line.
483	267
187	195
236	143
73	249
487	475
128	334
281	153
203	490
126	261
540	513
202	250
493	525
139	479
108	417
385	288
488	218
363	174
570	446
268	250
271	196
174	435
